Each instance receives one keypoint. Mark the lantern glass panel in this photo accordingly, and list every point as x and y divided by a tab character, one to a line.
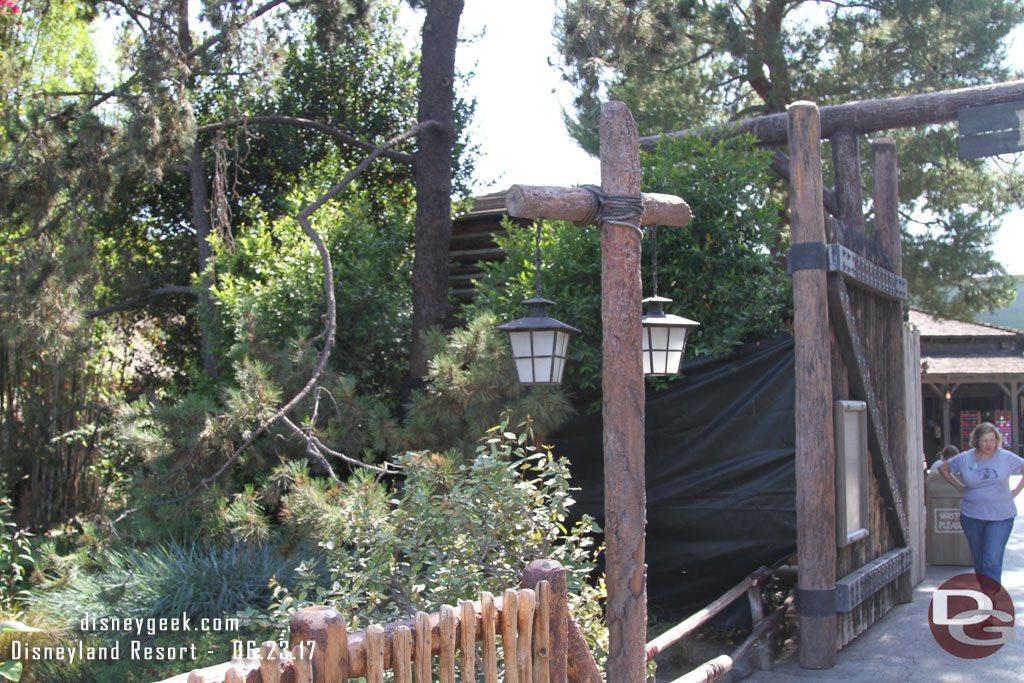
524	370
522	343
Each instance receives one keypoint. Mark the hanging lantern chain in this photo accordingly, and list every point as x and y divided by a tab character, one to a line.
536	257
654	256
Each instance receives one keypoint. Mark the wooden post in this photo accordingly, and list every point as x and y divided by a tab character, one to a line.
314	623
849	193
622	379
553	572
815	449
625	495
887	201
889	235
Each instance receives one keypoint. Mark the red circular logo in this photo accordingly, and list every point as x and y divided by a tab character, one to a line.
971	616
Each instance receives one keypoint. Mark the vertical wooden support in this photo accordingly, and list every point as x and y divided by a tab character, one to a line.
446	628
311	624
888	233
762	658
887	201
554	574
815	449
422	656
488	640
524	646
542	634
196	677
509	645
336	654
375	645
849	193
234	675
468	641
625	498
270	662
401	654
302	664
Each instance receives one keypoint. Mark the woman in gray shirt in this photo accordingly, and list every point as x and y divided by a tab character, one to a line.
987	509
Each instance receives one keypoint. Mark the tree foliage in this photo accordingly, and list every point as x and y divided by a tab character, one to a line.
684	65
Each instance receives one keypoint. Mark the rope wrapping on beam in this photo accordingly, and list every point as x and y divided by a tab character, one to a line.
624	210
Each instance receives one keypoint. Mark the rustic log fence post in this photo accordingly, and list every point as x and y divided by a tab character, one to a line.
815	449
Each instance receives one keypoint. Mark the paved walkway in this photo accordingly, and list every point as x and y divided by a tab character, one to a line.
900	648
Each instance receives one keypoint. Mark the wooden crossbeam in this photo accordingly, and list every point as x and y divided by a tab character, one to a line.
845	324
855	588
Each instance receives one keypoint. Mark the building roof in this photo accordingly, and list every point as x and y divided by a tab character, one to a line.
972	369
930	326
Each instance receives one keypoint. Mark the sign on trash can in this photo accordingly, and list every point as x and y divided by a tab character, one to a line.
946	543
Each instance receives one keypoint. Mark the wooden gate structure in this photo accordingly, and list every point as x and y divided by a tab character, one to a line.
853	350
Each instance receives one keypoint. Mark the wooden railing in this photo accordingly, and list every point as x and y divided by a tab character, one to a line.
540	643
716	668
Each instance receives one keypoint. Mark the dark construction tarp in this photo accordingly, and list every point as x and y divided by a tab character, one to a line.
720	474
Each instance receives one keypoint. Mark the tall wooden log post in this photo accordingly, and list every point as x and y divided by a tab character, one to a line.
889	235
815	449
846	166
620	214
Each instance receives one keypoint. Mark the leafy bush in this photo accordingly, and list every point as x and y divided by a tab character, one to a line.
449	531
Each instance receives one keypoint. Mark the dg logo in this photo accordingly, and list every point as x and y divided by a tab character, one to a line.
971	616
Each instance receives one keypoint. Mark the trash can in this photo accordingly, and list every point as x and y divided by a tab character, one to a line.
946	543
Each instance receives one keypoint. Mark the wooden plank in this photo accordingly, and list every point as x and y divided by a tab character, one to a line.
855	588
509	641
302	664
553	574
422	655
849	193
468	640
401	654
815	449
375	654
488	640
863	389
446	627
336	657
524	628
270	662
542	635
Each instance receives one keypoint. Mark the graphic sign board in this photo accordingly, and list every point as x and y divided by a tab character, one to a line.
992	129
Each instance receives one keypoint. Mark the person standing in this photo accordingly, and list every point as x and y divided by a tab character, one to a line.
987	509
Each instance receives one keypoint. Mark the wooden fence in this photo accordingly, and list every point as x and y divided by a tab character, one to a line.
716	668
539	643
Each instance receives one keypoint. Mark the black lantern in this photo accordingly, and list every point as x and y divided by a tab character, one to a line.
539	342
664	335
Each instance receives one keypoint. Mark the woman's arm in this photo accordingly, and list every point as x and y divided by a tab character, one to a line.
1020	484
947	473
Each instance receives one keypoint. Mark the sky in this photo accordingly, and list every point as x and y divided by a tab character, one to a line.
520	97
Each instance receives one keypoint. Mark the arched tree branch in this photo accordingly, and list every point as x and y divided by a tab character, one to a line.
314	446
138	301
282	120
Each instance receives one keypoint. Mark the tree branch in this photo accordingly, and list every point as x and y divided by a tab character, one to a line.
282	120
138	301
282	414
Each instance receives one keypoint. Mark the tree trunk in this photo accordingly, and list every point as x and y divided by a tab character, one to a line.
434	176
203	226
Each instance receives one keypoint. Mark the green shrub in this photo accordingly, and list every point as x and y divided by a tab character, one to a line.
452	528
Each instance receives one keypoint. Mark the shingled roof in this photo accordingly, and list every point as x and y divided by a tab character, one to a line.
956	351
